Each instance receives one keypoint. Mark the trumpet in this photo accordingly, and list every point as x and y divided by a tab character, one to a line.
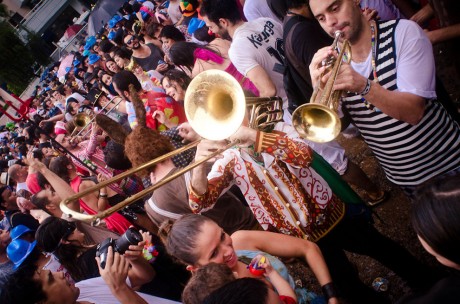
215	107
318	120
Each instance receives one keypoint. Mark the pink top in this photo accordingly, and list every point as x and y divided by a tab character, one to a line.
116	222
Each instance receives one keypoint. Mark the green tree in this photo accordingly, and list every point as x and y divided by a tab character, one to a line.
16	59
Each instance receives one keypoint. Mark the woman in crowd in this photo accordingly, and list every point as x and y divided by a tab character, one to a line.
435	217
169	35
106	83
152	32
197	241
122	57
175	84
65	242
111	65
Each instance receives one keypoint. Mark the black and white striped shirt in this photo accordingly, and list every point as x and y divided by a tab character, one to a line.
409	154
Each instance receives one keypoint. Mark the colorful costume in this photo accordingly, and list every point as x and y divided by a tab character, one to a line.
153	101
287	186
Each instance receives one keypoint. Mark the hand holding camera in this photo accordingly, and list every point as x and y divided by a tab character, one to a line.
129	240
115	270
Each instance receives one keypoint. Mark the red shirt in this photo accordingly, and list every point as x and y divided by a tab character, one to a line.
32	183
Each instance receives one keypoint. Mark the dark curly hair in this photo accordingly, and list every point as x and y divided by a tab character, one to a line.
178	76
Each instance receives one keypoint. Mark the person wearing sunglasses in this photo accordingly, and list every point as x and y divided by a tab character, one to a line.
148	56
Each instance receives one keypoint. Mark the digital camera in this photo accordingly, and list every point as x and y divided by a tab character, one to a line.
130	237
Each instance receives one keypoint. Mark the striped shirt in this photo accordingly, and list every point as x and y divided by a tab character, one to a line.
409	154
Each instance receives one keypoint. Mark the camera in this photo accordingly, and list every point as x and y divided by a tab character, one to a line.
130	237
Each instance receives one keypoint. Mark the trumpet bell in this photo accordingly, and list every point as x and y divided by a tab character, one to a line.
316	122
81	120
214	104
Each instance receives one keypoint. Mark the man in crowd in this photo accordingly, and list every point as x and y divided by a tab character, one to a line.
392	98
32	285
256	49
303	37
19	174
146	55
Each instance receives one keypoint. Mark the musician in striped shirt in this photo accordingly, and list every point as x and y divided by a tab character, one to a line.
391	95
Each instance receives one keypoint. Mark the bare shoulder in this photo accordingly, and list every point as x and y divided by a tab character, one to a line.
247	239
85	184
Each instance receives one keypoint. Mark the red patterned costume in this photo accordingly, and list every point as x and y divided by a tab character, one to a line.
283	191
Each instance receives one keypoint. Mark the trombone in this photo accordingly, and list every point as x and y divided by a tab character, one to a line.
215	107
83	120
318	120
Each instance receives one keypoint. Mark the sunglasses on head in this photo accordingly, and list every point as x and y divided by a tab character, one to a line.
68	229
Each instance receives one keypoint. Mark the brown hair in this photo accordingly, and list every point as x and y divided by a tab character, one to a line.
181	241
206	279
59	166
144	144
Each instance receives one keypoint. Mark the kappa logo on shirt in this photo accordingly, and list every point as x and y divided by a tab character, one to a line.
256	39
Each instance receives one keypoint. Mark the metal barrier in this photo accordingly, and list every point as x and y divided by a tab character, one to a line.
71	45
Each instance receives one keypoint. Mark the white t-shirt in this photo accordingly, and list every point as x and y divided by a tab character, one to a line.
254	9
174	11
415	71
260	42
20	186
96	291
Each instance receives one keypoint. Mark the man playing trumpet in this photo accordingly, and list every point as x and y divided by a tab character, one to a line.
391	95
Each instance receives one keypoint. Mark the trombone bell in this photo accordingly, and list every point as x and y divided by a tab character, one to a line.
81	120
214	104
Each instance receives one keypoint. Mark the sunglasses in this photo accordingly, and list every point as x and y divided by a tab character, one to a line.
130	41
68	229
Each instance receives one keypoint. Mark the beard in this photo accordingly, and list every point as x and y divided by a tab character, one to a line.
223	33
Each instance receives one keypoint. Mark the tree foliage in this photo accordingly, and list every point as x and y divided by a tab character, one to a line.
17	58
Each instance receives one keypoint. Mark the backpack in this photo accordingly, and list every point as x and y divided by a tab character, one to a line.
292	81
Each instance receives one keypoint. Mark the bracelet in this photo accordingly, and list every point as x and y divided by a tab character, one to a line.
329	291
104	195
366	89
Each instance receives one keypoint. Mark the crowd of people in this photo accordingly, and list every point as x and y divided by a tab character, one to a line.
222	232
